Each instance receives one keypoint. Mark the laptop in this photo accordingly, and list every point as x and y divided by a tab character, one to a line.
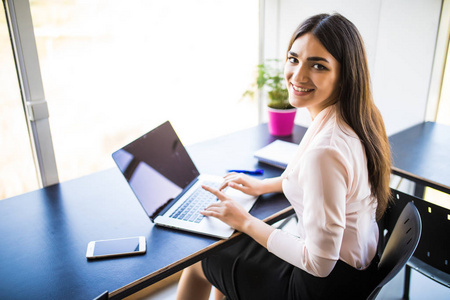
167	184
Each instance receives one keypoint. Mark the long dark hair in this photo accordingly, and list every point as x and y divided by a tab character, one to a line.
355	102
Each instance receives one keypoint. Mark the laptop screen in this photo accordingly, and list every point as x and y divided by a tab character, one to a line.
157	167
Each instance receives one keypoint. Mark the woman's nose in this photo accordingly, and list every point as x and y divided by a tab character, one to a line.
300	73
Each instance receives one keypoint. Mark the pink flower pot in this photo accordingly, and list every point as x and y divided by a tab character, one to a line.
281	121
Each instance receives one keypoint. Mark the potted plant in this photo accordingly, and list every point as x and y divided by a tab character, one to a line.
270	78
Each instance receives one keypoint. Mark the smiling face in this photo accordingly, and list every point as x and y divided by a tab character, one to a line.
312	75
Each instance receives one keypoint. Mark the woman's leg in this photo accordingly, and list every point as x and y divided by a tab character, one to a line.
193	284
218	295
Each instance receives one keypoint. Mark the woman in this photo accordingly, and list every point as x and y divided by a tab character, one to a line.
338	184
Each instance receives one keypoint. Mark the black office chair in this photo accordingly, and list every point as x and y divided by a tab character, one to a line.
400	246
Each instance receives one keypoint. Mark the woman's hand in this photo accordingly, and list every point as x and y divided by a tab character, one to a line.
232	213
227	210
243	183
251	186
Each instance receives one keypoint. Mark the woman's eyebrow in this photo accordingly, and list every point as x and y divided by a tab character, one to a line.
312	58
317	58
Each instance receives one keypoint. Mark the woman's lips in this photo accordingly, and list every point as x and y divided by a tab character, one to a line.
301	90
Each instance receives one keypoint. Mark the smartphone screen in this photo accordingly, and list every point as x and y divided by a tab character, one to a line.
115	247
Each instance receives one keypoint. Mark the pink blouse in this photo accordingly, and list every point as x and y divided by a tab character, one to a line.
327	184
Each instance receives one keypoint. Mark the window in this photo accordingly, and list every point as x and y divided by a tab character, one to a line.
17	173
443	117
113	70
439	99
443	114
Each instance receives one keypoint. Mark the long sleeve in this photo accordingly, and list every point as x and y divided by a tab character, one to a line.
322	182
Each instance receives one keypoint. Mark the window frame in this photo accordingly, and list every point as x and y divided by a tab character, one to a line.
23	42
440	59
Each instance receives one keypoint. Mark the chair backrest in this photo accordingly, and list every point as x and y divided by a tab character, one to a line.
400	246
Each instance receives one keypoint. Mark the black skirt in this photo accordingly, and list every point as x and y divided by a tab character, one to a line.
246	270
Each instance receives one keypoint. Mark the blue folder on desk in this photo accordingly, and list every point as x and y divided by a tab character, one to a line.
168	185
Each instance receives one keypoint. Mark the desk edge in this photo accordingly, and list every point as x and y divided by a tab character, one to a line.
418	179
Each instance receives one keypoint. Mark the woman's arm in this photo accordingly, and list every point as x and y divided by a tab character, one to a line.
323	180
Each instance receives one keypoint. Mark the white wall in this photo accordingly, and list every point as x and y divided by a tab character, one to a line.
400	38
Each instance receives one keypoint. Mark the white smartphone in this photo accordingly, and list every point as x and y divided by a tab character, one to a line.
116	247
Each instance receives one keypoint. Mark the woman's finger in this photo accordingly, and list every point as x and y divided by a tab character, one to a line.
228	175
209	213
219	194
233	180
214	210
214	205
223	185
227	179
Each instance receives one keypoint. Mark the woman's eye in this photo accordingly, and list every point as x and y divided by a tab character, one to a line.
292	60
319	67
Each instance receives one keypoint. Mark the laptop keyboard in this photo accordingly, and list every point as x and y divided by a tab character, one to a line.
197	201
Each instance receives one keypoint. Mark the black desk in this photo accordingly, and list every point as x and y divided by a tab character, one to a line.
44	234
422	154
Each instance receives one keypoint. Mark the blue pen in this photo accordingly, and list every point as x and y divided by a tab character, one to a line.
249	172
